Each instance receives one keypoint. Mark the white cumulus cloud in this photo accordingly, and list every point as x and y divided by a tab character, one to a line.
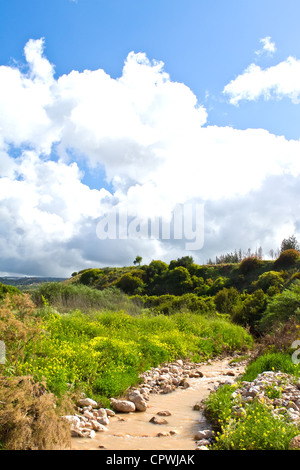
150	135
279	81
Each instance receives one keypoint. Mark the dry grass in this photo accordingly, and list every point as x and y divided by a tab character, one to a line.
30	418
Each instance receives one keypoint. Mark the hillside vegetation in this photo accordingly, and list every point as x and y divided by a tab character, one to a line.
97	331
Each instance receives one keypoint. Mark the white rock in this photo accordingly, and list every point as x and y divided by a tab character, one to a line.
87	402
73	420
135	397
124	406
97	426
103	420
204	434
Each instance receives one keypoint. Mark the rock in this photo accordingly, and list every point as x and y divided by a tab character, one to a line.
203	442
76	432
163	434
204	434
87	402
103	421
136	398
197	406
164	413
98	426
295	443
123	406
202	448
101	413
156	420
88	414
73	420
184	383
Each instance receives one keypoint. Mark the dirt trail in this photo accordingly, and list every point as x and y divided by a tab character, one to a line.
133	431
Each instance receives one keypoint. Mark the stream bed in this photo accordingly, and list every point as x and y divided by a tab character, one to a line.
134	431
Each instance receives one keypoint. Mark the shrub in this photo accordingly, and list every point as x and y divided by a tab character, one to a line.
287	259
249	264
258	429
130	284
89	277
281	308
250	311
19	328
226	299
8	290
30	417
267	280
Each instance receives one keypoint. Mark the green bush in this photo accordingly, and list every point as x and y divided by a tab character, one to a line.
267	280
249	264
130	284
89	277
287	259
4	290
257	430
281	308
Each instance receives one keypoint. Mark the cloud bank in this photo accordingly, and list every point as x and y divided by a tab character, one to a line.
150	135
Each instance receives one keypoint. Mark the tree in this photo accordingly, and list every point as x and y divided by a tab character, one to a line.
289	243
138	260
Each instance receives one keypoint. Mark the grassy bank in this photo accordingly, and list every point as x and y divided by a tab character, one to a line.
103	353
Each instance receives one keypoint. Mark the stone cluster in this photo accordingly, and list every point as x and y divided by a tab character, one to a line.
277	389
89	419
169	376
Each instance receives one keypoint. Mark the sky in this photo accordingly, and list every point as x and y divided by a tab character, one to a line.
118	113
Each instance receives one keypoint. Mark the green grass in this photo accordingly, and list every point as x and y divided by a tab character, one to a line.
277	361
103	353
256	428
67	297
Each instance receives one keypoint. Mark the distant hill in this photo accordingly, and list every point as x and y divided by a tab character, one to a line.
27	281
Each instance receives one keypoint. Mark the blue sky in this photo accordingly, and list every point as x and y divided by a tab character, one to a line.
228	67
202	44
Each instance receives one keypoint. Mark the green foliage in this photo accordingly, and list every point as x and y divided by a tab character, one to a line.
249	264
254	427
102	353
282	307
250	311
287	259
130	284
138	260
289	243
218	405
67	297
258	429
226	300
276	361
185	262
267	280
89	277
178	281
4	290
